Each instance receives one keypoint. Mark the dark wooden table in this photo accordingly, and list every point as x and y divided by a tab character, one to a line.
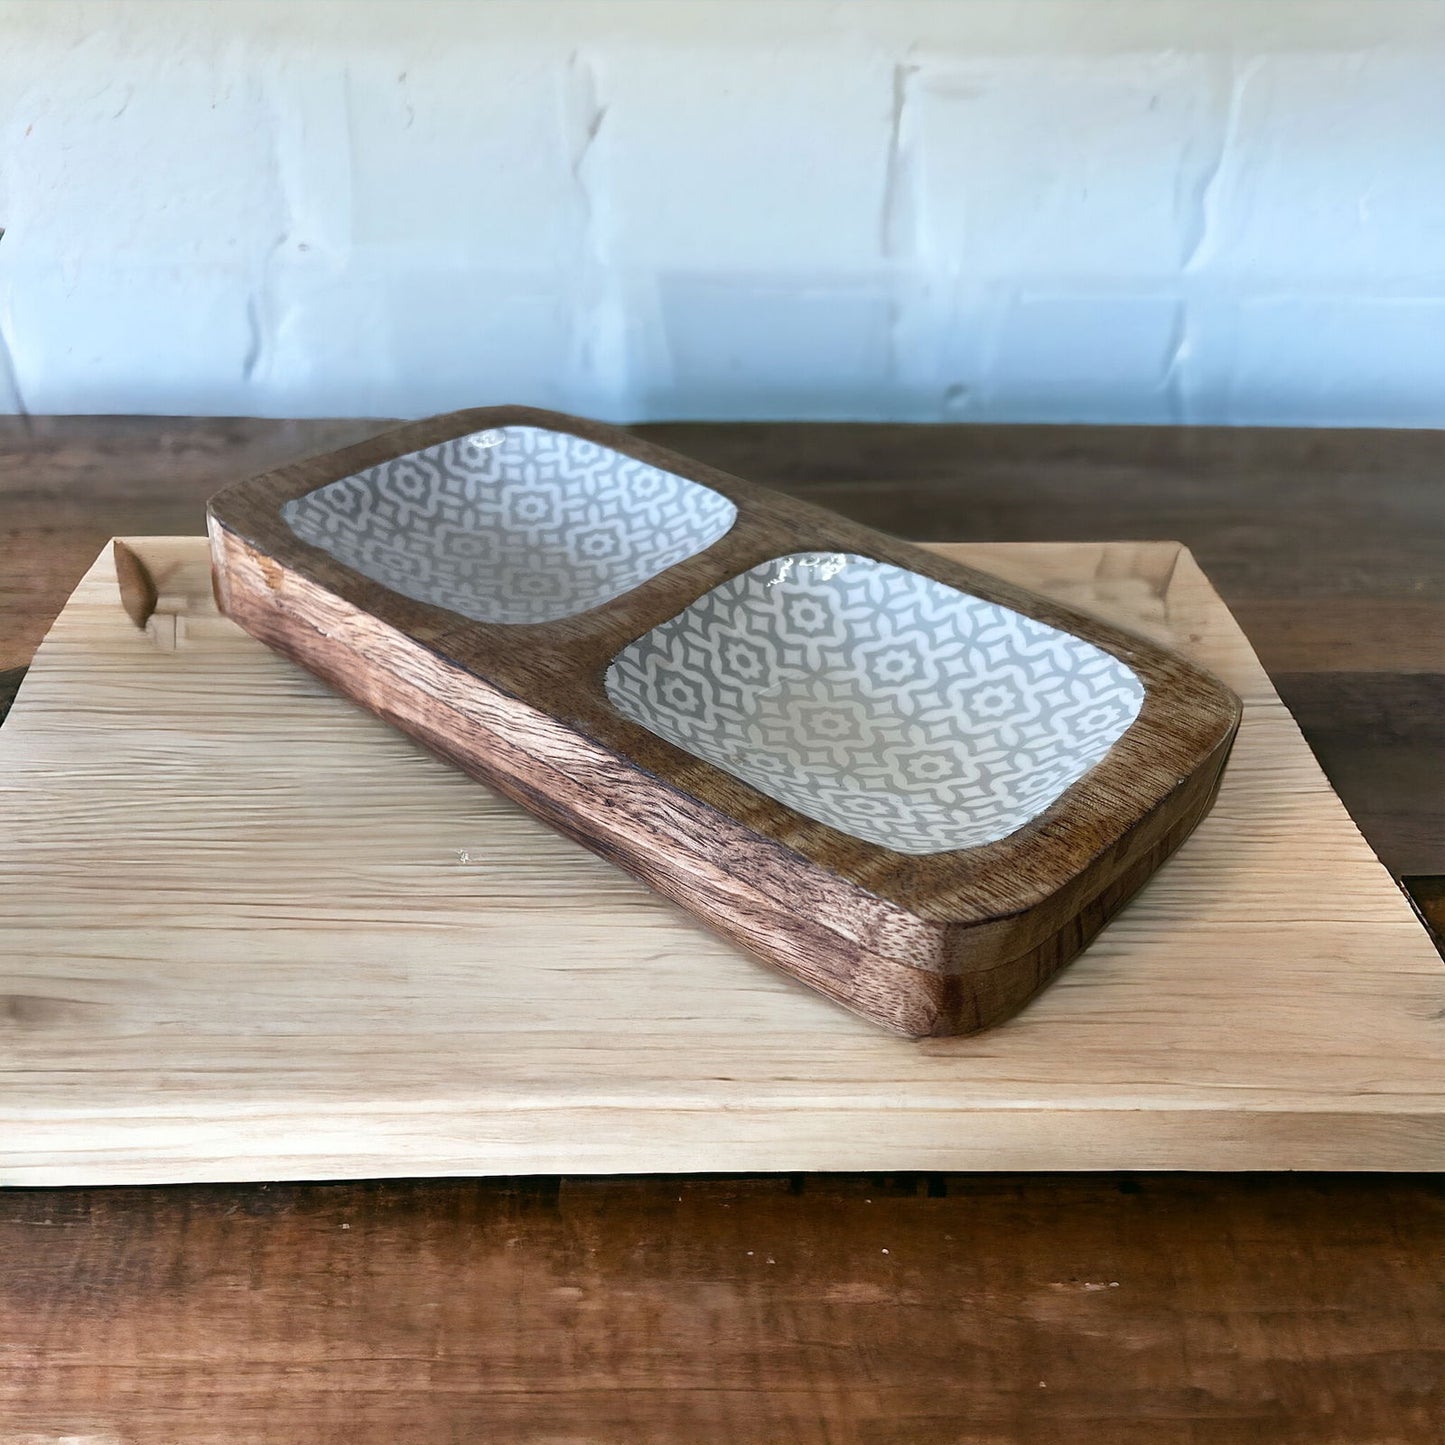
826	1308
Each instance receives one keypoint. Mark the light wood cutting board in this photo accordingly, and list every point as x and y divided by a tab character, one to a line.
248	931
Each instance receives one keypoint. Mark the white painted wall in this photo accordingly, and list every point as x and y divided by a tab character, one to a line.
1102	210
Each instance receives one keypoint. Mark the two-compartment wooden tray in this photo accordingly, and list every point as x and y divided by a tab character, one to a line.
917	788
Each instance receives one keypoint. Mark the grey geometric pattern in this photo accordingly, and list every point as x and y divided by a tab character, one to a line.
879	702
515	525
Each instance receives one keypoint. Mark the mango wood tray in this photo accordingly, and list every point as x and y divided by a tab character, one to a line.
249	931
916	787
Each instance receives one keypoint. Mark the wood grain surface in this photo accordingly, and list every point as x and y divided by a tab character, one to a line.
822	1310
1274	1308
256	933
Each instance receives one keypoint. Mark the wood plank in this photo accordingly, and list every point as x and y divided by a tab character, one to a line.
286	943
899	1310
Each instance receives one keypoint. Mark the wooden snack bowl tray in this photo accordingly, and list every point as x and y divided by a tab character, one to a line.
950	942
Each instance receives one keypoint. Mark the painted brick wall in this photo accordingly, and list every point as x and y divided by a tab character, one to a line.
1106	210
